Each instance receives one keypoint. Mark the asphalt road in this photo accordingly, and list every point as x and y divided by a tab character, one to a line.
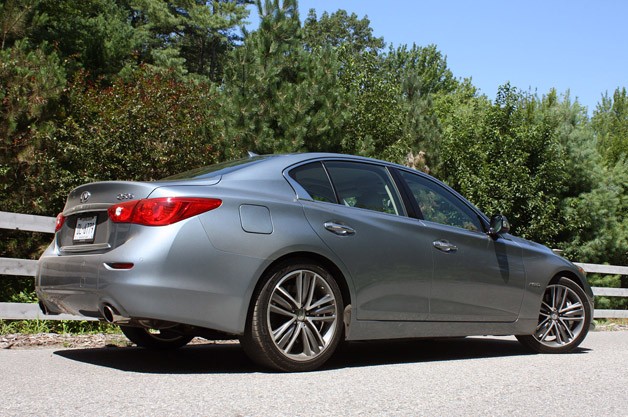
473	376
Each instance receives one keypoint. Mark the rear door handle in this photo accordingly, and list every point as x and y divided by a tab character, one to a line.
445	246
339	229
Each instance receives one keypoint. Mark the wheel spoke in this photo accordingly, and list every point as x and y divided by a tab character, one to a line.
322	318
309	324
279	310
300	289
324	310
557	334
297	332
572	318
286	334
572	309
563	299
547	331
325	299
310	293
554	297
311	345
284	298
542	323
566	330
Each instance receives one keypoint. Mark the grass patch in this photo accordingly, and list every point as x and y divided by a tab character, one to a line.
56	326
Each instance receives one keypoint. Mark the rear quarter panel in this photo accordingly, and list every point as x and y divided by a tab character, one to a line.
229	233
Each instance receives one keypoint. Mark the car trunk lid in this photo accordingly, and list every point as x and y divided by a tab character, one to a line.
86	226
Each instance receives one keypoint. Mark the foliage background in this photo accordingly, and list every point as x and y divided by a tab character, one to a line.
141	89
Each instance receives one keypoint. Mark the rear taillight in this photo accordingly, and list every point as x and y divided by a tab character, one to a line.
161	211
59	222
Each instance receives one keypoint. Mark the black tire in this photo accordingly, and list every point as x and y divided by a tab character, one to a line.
155	339
294	331
564	319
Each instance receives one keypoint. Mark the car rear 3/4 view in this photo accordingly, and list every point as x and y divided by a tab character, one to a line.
294	254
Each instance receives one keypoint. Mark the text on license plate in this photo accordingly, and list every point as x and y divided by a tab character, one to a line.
85	229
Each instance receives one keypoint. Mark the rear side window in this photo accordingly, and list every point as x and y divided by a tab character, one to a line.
364	186
313	178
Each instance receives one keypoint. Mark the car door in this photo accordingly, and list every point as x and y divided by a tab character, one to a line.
361	218
476	277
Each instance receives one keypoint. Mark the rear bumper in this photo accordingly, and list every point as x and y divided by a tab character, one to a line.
186	282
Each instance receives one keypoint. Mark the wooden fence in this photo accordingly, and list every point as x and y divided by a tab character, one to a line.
28	268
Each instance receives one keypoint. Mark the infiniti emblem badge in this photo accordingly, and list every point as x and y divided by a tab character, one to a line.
85	195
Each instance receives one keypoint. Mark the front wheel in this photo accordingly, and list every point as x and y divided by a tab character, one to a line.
296	320
564	319
155	339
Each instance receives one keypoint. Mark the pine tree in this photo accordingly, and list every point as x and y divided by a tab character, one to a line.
610	122
340	29
282	97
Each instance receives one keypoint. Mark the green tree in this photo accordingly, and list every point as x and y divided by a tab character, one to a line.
422	73
94	35
575	135
144	128
610	122
16	20
211	34
597	221
506	158
186	35
376	124
31	82
282	98
340	29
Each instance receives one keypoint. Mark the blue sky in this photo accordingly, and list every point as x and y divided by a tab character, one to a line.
576	45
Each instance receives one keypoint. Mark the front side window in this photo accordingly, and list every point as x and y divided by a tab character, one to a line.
364	186
439	205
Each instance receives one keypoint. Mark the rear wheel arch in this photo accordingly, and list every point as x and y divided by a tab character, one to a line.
304	257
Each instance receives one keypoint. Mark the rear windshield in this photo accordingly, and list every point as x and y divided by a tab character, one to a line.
215	170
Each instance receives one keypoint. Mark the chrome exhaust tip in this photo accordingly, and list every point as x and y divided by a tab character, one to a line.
112	316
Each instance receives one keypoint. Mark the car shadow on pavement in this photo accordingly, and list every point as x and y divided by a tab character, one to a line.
371	353
214	358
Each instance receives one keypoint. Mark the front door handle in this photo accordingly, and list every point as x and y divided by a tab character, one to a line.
339	229
444	246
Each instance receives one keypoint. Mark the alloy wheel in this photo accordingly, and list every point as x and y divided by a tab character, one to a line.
562	316
302	315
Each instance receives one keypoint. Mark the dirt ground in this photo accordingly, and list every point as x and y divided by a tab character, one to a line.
73	341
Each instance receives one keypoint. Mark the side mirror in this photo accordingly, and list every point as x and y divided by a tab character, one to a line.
499	224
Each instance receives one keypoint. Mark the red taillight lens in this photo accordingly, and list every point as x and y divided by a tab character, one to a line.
161	211
59	222
123	212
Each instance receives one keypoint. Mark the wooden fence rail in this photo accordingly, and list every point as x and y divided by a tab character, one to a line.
27	268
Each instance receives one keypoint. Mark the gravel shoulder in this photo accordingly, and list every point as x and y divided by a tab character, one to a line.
74	341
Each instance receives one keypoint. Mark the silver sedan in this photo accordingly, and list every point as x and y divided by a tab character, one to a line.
293	254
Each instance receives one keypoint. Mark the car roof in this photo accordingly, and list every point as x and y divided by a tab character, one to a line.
262	166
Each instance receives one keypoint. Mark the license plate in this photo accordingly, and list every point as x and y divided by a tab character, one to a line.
85	229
